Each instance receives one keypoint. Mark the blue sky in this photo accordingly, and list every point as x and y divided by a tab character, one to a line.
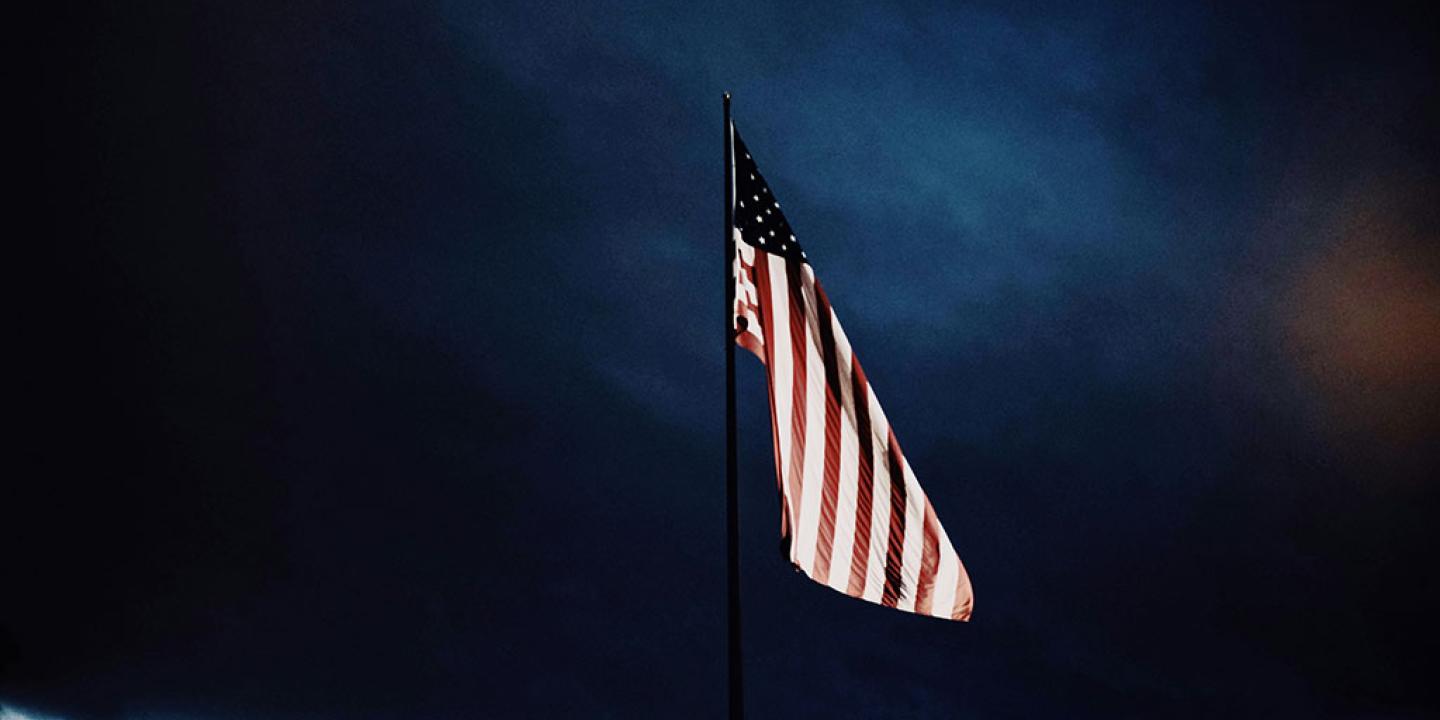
399	326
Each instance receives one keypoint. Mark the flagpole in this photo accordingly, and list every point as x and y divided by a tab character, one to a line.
732	509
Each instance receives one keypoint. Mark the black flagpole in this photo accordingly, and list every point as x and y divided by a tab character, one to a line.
732	505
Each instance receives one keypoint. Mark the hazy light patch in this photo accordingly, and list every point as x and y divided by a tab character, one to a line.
1360	321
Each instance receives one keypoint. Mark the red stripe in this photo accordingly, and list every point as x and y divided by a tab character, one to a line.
929	562
767	325
832	435
964	597
865	481
797	403
751	339
894	554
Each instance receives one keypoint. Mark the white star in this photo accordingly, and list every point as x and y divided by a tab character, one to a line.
759	219
772	233
756	198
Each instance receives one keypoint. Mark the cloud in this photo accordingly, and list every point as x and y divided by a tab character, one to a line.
8	712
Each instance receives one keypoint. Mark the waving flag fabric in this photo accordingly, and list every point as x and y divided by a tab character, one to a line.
853	514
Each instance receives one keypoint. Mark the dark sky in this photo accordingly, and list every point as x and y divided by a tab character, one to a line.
370	358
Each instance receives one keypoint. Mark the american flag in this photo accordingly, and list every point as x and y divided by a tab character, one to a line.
853	516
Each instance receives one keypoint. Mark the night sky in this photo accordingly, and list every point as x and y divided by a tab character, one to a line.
370	364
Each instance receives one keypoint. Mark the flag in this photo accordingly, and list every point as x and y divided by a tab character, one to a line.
853	516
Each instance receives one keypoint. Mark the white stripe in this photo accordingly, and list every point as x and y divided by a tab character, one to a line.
914	538
880	501
813	488
780	375
945	576
842	548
